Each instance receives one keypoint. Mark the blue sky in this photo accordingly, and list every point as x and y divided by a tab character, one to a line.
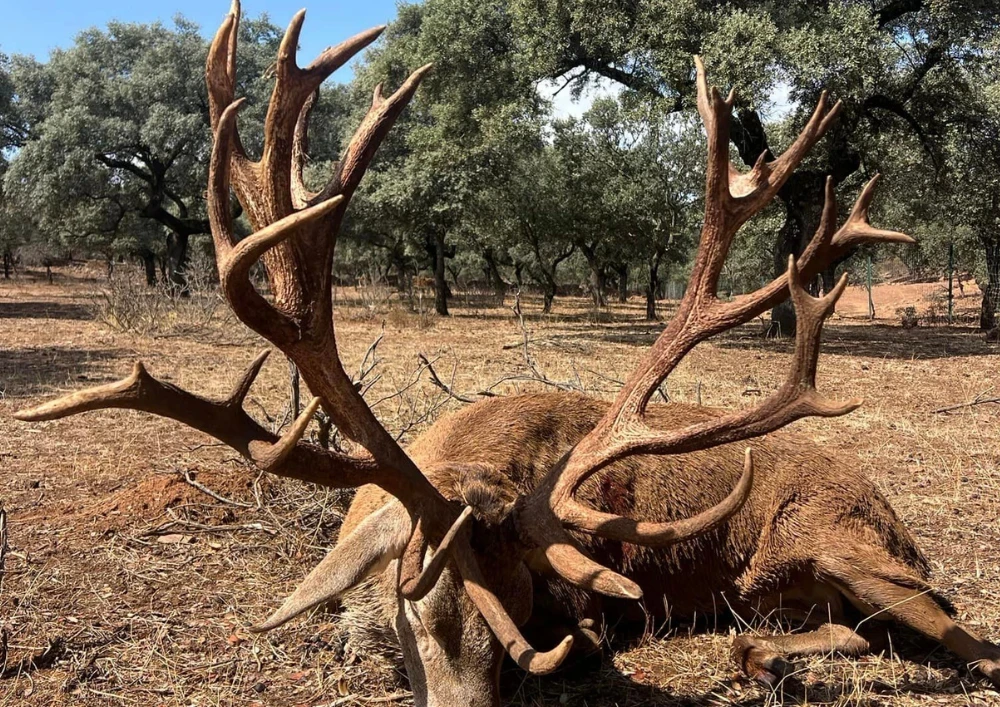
37	26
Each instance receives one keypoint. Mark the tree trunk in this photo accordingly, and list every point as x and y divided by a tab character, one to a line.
829	276
990	311
6	264
653	285
597	285
519	274
177	252
622	282
548	294
803	208
493	272
149	266
440	281
598	278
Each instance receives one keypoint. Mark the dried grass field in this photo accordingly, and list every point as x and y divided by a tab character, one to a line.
139	551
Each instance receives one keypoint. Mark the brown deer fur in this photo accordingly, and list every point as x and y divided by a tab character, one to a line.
815	536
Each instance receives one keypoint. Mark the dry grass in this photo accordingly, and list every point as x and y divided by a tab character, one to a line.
127	585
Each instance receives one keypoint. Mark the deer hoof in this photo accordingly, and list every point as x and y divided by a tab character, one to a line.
761	662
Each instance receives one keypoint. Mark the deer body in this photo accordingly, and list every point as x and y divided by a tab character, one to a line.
807	514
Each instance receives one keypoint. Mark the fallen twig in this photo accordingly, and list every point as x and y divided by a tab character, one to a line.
218	497
979	400
357	699
369	363
193	527
536	374
40	661
3	559
440	383
4	547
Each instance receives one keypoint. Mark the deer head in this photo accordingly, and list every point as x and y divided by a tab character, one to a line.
463	585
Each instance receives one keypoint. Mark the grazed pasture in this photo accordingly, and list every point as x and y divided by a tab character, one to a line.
127	583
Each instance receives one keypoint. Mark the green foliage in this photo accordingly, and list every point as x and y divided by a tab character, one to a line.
108	141
115	151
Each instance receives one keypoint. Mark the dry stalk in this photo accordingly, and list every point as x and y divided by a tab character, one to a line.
438	383
357	699
218	497
978	400
4	546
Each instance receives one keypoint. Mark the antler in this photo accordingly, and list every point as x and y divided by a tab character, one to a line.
295	235
226	420
731	198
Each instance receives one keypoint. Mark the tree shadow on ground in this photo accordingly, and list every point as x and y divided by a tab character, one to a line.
44	310
32	371
874	341
882	341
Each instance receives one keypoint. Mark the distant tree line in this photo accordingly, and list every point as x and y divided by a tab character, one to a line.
103	148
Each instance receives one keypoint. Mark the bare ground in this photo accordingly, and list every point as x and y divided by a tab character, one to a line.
126	584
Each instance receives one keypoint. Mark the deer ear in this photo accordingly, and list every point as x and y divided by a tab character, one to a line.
378	540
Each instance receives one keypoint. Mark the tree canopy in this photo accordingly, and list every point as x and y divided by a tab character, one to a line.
103	148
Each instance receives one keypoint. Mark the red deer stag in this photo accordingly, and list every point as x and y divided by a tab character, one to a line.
549	499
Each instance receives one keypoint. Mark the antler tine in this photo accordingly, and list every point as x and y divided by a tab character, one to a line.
622	529
220	74
415	580
233	260
300	153
756	188
226	420
219	171
827	245
857	230
271	456
715	114
354	558
292	89
499	621
811	313
235	269
236	11
242	387
370	134
542	528
334	57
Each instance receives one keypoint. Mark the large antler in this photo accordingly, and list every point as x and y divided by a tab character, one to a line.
731	198
295	232
223	419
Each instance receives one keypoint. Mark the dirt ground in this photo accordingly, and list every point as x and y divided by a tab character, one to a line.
126	584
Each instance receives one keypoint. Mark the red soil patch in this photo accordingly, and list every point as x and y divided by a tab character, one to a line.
149	500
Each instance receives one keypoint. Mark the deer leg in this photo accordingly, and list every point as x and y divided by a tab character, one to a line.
765	658
916	607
